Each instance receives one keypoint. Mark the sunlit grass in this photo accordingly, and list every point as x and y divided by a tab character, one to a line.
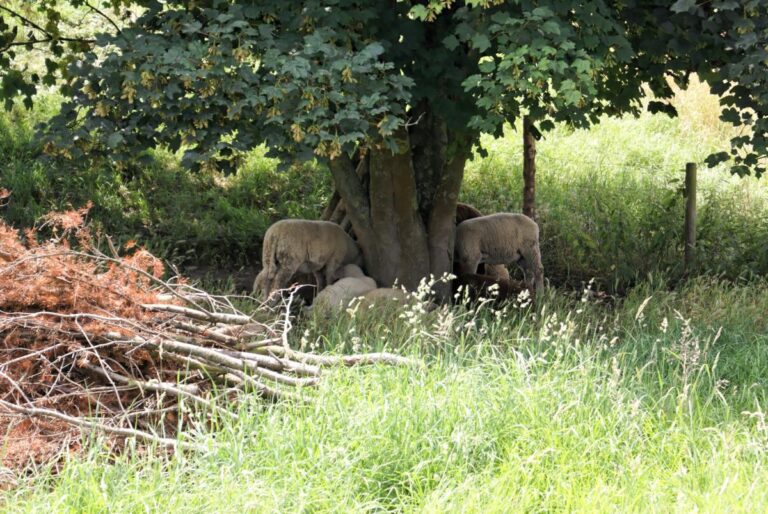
655	405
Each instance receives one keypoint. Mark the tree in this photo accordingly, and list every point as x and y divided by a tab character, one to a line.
529	168
398	92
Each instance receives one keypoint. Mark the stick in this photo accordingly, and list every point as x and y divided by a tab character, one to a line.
84	423
341	360
277	364
206	332
220	358
164	387
239	319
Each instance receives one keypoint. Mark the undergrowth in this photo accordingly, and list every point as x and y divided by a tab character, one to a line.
655	404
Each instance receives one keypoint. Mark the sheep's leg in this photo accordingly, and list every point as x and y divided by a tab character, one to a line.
468	265
319	281
259	283
282	279
330	271
499	272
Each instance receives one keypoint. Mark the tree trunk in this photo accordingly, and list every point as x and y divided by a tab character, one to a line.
404	217
529	168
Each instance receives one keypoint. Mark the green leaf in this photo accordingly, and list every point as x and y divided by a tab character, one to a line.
683	5
543	12
656	106
451	42
716	158
546	125
115	139
487	66
481	42
551	27
419	12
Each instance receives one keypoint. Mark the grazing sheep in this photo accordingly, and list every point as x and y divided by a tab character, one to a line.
352	284
501	238
303	246
465	211
306	289
391	296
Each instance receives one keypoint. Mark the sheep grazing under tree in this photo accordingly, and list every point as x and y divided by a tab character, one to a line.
498	272
303	246
384	295
502	238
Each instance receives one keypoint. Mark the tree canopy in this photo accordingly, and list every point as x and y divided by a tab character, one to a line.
321	78
392	95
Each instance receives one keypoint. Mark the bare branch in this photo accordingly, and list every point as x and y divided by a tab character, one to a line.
95	425
104	15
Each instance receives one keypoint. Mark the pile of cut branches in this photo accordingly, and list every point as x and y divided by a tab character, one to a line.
96	341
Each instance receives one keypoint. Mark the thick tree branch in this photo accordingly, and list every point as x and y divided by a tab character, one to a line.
331	207
410	226
95	425
443	215
25	20
386	261
350	187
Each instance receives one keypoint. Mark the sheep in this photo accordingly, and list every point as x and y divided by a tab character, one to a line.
501	238
391	296
302	284
499	272
303	246
352	284
384	296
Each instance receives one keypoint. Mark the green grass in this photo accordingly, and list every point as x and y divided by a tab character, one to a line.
184	217
581	409
611	206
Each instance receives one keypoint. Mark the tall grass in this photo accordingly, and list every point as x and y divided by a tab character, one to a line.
610	199
656	405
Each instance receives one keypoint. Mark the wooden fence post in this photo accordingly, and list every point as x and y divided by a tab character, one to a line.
690	215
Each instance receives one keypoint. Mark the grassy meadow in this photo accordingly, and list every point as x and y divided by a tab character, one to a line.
656	405
651	402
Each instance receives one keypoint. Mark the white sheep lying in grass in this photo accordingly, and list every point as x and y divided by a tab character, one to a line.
385	296
501	238
303	246
352	284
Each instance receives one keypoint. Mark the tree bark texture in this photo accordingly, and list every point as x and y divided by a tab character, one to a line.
403	215
529	168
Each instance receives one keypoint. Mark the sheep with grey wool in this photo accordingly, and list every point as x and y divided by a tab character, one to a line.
501	238
303	246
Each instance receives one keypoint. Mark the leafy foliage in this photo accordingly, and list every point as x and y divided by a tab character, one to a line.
315	79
